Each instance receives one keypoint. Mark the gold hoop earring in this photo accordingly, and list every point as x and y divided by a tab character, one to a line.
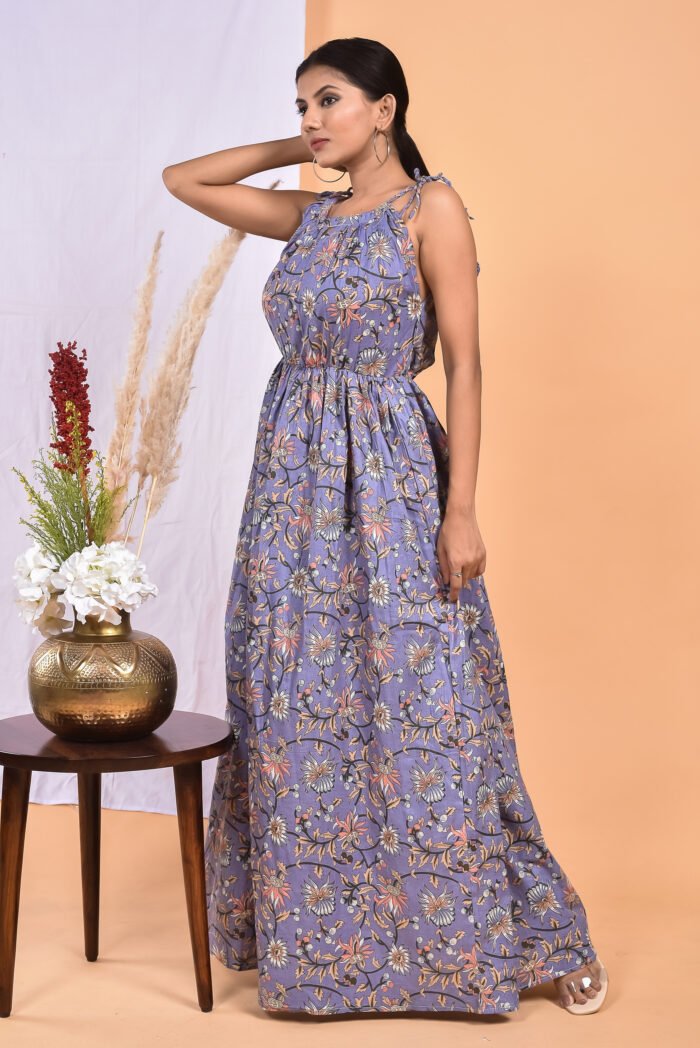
314	166
374	146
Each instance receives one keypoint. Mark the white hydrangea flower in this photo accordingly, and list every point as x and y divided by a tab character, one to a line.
40	603
97	580
104	580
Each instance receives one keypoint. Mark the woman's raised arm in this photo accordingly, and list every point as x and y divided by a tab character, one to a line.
211	184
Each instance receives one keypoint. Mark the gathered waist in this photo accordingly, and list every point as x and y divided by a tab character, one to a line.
314	371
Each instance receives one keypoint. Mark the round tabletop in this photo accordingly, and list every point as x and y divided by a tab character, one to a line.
182	739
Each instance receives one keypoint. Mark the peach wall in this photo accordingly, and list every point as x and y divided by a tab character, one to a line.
570	133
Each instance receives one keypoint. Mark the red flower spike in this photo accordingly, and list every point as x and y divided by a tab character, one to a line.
68	384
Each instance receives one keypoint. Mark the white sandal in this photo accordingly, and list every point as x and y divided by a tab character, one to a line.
594	1003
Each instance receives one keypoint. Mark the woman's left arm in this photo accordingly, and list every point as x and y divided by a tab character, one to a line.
449	264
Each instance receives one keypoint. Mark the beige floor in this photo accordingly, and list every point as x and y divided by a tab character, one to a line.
141	989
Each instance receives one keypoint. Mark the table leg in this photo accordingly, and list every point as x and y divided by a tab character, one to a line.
188	794
90	815
13	823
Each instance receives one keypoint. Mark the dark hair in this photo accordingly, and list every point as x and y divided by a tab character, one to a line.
377	71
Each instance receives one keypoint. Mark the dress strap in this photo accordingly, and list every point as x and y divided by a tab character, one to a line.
327	197
413	202
333	196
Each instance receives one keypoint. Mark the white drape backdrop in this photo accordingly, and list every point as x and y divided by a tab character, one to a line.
96	99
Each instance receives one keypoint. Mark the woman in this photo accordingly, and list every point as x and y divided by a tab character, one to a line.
371	844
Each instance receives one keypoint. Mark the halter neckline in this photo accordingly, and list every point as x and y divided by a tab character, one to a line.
419	180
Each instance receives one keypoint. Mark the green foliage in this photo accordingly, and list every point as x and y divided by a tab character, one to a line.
74	510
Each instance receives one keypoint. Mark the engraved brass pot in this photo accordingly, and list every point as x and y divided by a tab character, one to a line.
101	682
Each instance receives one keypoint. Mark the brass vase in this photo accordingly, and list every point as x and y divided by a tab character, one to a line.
101	682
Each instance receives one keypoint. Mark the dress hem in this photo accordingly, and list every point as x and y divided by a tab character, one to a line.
564	969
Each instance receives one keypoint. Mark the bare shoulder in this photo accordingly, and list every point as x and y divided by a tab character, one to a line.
447	245
440	205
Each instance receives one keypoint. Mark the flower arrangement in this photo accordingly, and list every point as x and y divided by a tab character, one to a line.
79	564
71	564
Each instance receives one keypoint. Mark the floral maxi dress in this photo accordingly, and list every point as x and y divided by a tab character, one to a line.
371	843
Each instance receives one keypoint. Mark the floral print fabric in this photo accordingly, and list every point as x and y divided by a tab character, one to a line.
371	843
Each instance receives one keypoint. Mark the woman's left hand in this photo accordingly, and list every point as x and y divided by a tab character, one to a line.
460	549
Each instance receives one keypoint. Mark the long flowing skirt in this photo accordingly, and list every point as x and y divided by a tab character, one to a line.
372	845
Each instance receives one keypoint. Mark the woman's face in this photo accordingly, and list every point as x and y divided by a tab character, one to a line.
340	114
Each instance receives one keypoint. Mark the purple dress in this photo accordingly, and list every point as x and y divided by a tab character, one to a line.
371	844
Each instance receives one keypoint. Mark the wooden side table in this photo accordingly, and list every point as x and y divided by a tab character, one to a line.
181	743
